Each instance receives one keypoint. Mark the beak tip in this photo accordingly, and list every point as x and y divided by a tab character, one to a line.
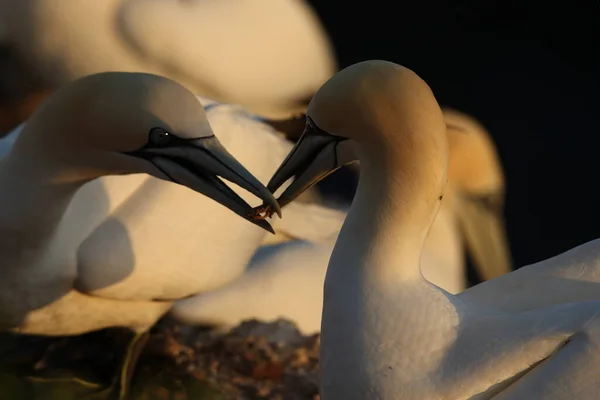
263	224
269	228
276	207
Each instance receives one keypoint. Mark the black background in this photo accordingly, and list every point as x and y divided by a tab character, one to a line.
528	70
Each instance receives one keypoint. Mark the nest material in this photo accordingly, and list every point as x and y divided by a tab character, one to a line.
255	360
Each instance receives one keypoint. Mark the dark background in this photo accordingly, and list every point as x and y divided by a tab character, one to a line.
528	70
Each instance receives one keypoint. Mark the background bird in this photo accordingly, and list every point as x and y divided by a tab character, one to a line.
267	55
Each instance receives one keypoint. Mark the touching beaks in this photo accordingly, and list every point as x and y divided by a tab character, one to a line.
198	163
316	155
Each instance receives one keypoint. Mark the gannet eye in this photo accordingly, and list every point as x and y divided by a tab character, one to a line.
159	137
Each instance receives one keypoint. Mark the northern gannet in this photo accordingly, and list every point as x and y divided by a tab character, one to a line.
98	202
267	55
66	265
285	280
190	219
388	333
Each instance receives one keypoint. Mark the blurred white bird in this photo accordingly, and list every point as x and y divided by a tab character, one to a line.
387	332
285	280
267	55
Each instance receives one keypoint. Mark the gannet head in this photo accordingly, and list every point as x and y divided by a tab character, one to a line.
118	123
474	165
478	193
385	109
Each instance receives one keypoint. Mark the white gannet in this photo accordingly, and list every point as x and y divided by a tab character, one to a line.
90	219
186	222
285	280
62	274
267	55
388	333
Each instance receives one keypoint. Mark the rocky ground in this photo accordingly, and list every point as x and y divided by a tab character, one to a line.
253	361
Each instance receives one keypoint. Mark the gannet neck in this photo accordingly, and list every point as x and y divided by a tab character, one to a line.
390	216
32	204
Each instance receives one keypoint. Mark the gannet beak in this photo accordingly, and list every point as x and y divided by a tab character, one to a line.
316	155
482	225
198	164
